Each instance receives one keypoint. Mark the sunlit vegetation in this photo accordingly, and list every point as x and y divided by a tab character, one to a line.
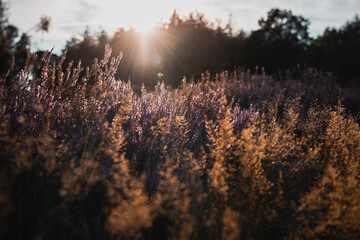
237	155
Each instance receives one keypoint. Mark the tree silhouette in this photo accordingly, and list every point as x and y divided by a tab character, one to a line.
283	25
338	51
280	43
189	46
14	55
186	46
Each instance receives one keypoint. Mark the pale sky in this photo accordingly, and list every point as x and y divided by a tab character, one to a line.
71	17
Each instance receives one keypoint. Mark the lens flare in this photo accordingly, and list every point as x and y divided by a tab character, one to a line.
160	75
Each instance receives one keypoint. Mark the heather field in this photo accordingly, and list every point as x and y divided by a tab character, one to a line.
237	155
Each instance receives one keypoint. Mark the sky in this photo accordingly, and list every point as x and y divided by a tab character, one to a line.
71	17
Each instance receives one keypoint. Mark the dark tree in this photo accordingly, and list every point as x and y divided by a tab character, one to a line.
13	54
283	25
338	51
281	42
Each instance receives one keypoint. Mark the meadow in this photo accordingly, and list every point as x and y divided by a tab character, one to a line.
237	155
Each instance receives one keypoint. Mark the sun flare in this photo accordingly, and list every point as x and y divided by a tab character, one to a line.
143	27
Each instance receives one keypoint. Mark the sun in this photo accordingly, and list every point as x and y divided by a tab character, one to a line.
143	27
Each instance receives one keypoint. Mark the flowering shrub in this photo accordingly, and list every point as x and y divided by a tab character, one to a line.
230	157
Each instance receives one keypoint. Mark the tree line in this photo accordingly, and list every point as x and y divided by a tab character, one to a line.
190	46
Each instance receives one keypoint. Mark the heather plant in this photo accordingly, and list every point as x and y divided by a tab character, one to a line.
336	192
234	156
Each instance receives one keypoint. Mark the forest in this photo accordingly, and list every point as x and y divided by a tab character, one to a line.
214	135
